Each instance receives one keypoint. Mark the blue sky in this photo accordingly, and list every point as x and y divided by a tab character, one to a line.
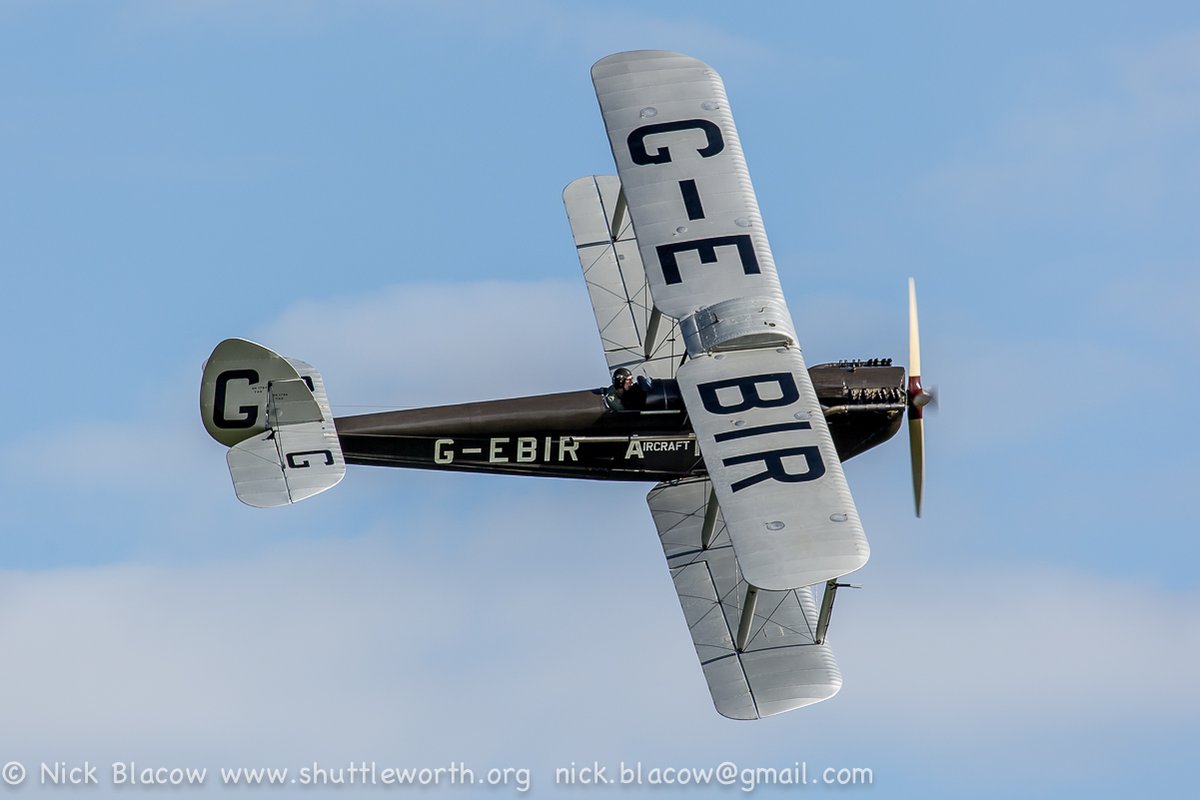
375	188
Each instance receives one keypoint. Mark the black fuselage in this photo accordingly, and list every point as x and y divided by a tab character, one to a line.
577	435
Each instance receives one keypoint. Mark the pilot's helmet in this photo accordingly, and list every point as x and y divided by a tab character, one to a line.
620	375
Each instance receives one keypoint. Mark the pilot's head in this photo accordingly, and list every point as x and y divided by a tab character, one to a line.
621	378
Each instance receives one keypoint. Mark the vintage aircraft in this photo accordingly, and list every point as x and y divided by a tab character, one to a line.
711	398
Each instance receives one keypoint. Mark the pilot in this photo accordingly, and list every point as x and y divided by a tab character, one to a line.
626	394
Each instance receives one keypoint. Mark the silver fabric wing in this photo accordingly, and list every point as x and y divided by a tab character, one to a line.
780	667
680	162
634	336
757	418
774	467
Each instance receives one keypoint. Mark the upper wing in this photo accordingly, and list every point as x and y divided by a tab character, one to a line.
780	667
616	282
758	421
685	179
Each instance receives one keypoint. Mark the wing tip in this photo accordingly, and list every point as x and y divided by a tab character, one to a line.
622	62
763	702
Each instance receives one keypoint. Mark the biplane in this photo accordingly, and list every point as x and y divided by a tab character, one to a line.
711	398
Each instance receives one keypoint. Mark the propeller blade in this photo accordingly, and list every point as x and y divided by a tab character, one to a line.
916	447
914	333
918	398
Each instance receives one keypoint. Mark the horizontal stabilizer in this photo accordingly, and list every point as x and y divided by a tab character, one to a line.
286	465
780	667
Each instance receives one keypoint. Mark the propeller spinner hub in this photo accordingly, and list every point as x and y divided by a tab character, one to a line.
918	397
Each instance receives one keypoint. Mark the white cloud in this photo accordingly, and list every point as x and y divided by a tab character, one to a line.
319	647
555	636
405	346
990	649
417	345
146	456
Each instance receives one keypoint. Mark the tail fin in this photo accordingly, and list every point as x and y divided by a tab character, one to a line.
273	414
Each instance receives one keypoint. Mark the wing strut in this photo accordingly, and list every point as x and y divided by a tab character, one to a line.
652	330
747	620
618	218
823	618
710	520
